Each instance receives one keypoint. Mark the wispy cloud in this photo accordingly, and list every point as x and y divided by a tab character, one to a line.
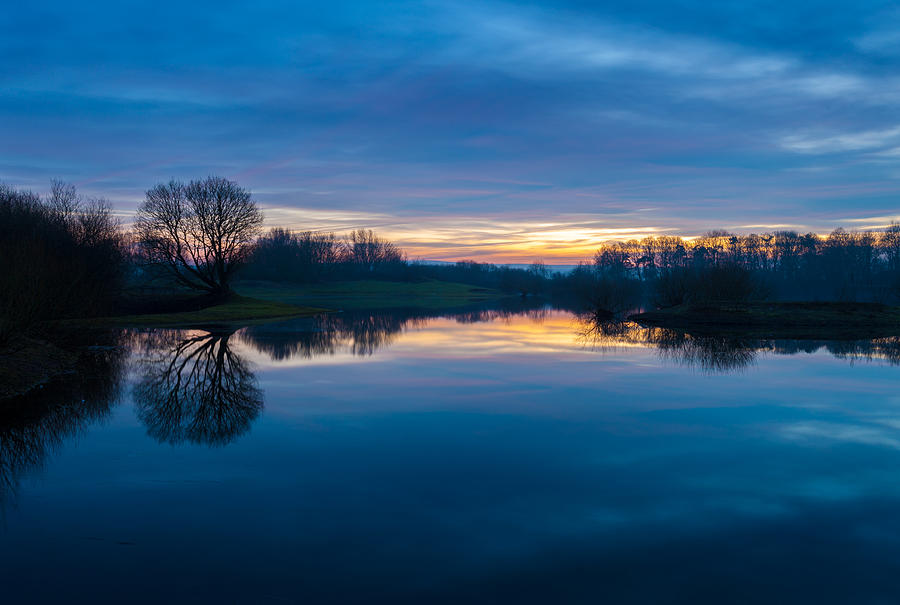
446	122
534	42
836	143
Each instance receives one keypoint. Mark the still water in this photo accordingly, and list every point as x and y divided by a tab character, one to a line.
478	457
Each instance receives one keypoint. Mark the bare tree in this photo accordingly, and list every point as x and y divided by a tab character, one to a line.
199	232
367	251
63	198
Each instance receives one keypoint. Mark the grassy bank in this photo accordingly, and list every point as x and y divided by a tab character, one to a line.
369	294
818	320
239	310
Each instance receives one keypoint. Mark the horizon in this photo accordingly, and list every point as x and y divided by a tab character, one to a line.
522	253
491	131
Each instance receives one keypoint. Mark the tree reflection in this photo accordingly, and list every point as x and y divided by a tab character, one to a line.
719	354
35	425
363	333
887	349
196	389
708	353
359	333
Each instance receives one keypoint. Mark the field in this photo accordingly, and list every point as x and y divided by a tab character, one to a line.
369	294
238	311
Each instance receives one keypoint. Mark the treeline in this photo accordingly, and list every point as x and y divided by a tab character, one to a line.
660	271
62	256
310	257
66	256
786	265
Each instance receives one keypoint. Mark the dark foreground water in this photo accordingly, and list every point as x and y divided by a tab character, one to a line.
478	458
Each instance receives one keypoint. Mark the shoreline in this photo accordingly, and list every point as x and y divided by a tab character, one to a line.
27	364
790	320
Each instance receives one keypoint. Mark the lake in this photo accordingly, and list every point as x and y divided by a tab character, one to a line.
487	456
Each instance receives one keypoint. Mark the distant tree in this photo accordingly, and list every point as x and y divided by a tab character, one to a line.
367	252
63	199
890	243
199	233
539	269
613	259
304	257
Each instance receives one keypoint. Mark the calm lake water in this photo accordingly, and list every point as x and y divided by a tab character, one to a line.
484	457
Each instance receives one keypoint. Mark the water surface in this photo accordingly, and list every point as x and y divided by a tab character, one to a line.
477	457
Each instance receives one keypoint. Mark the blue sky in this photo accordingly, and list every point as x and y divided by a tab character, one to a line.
504	131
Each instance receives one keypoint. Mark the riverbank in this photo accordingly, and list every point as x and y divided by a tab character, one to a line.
801	320
28	363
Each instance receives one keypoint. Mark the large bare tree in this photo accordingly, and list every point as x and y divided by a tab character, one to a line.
199	232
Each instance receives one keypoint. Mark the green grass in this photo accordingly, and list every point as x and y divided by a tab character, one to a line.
818	320
239	310
369	294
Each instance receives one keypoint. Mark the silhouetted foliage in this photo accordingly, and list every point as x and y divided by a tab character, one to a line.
62	257
609	292
368	252
199	233
195	388
282	255
308	257
845	266
718	283
623	276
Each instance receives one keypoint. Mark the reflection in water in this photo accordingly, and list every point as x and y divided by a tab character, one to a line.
194	388
364	333
724	353
543	463
879	348
33	426
360	333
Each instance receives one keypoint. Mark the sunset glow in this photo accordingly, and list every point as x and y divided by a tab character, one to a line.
490	130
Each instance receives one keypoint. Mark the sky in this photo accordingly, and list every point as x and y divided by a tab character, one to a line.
504	132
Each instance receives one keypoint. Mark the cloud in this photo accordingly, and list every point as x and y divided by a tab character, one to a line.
419	117
837	143
542	43
883	38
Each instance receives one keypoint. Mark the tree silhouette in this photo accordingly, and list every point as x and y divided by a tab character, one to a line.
196	390
198	233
